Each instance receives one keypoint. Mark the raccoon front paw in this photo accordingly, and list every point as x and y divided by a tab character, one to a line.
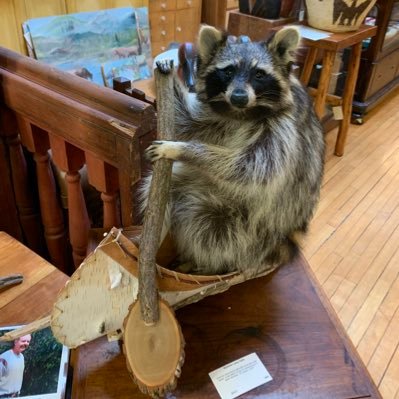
165	66
164	149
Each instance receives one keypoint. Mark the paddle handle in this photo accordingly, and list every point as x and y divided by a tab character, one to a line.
157	200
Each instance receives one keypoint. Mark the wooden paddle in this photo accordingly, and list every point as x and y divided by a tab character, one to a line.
152	339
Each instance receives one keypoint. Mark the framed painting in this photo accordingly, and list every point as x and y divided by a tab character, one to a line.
96	46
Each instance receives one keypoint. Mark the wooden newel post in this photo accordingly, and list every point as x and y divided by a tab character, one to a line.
155	212
152	339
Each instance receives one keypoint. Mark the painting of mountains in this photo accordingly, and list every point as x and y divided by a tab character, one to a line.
89	43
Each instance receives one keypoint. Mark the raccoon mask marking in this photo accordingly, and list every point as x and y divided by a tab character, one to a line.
244	79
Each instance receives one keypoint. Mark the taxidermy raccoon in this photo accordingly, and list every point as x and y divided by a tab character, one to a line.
249	156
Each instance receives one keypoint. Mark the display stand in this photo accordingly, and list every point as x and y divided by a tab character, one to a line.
283	317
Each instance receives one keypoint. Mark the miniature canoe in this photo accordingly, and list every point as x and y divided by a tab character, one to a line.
96	299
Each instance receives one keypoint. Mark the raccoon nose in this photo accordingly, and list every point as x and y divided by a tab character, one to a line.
239	98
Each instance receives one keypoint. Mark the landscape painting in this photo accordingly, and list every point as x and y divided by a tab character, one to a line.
96	46
132	68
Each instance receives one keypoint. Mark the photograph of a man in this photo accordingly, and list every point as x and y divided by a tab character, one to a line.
12	365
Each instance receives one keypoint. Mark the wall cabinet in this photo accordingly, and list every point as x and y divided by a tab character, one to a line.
173	21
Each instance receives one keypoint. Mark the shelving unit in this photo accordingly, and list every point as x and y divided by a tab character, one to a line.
173	21
379	69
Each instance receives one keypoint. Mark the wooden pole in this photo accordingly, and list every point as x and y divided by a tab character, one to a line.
152	340
159	191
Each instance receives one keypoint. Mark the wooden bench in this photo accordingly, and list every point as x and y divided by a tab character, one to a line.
42	109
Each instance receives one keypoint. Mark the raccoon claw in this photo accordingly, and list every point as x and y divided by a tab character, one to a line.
163	149
151	153
165	66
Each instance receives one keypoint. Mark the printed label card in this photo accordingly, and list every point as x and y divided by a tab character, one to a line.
240	376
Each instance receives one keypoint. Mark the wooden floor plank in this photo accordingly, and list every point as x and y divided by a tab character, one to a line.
378	327
389	386
367	143
370	242
353	240
385	350
372	144
370	306
368	280
344	237
361	201
371	339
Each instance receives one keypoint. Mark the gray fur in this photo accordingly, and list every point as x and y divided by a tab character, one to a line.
245	181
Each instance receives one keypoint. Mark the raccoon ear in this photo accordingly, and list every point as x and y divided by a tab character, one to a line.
209	39
284	42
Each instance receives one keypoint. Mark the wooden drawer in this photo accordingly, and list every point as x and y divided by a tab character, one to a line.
159	47
383	72
162	26
182	4
161	5
187	24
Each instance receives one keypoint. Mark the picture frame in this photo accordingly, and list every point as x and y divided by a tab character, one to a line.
45	366
94	45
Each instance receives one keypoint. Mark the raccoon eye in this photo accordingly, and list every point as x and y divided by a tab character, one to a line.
260	74
228	72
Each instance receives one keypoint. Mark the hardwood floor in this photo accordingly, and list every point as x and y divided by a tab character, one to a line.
353	242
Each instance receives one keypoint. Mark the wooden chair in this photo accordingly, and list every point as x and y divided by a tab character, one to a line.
44	109
330	47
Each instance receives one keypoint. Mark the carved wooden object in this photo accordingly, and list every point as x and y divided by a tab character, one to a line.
107	283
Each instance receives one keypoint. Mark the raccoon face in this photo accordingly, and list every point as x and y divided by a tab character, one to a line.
244	79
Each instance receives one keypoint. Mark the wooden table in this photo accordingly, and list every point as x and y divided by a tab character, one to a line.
282	317
33	298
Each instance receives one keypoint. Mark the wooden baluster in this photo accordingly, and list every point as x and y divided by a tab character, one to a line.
9	220
22	183
104	178
71	159
79	224
36	140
